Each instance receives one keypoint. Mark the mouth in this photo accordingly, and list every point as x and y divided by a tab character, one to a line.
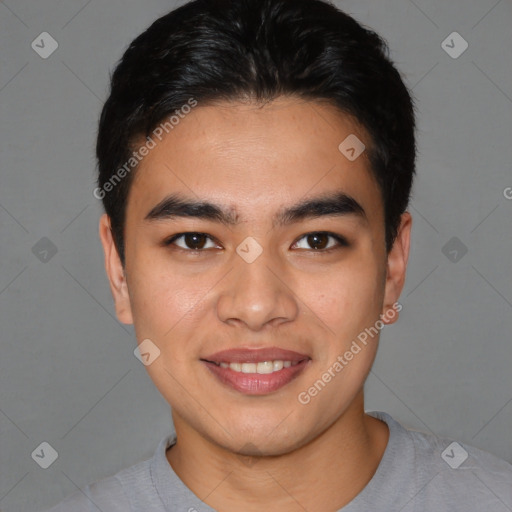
256	372
261	367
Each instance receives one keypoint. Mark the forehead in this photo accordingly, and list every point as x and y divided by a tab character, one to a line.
251	158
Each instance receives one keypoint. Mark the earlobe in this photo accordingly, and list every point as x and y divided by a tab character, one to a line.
115	272
396	269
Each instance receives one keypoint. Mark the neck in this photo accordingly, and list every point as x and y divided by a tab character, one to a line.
324	474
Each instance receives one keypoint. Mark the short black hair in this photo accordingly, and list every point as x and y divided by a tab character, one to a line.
229	50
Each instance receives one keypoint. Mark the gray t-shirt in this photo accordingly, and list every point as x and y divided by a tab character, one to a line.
418	473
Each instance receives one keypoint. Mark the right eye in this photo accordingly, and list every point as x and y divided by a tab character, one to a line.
191	241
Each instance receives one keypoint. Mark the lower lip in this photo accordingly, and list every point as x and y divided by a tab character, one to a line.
256	383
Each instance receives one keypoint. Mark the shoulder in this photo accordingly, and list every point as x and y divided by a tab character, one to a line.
112	494
445	471
107	495
456	457
463	474
130	489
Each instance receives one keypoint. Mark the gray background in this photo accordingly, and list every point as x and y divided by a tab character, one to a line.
68	375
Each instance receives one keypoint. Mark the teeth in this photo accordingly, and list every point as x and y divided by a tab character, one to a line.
260	367
237	367
278	365
264	367
249	367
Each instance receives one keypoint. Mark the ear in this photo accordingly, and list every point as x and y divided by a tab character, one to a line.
115	272
396	269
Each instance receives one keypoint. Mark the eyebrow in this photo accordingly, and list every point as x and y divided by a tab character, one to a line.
334	204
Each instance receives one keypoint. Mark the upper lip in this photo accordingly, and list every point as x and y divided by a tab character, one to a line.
246	355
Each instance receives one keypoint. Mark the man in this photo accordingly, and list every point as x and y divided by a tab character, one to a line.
256	159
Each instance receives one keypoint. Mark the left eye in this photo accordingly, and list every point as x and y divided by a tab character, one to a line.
319	241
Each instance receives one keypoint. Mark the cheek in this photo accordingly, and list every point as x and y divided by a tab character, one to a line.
159	299
346	299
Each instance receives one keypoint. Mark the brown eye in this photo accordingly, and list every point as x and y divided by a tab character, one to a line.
195	240
321	241
191	241
318	240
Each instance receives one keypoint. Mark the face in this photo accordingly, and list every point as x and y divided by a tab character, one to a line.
284	268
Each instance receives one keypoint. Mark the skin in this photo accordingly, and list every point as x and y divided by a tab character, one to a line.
234	451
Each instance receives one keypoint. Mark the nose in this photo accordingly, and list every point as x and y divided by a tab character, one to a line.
256	294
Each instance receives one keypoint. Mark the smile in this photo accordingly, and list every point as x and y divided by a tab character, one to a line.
261	367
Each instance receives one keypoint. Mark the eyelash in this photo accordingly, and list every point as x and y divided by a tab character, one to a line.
341	241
